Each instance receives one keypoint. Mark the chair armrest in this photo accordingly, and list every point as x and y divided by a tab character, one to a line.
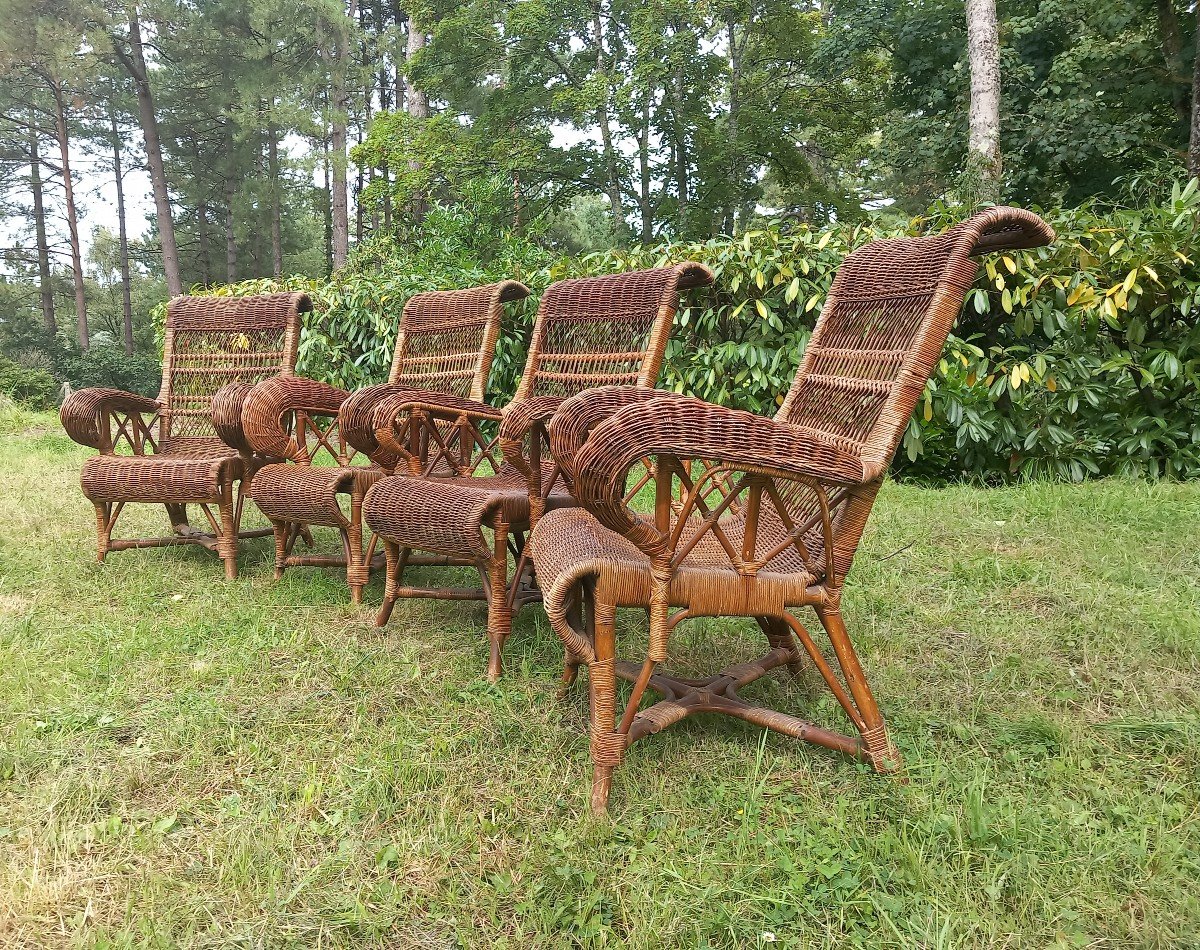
85	414
227	415
356	420
521	419
579	415
268	403
396	418
687	428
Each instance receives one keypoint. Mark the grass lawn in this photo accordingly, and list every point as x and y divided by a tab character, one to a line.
186	761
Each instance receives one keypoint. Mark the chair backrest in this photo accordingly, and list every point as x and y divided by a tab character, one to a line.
605	331
447	338
212	341
883	326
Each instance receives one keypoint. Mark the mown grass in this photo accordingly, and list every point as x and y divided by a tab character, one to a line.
185	761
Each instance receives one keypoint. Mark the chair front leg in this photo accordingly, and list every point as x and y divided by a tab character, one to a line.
228	538
499	612
877	745
607	744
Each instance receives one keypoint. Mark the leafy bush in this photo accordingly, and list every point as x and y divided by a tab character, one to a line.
1070	361
111	367
32	388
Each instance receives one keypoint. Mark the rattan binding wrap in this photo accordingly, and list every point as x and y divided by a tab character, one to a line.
753	517
214	350
588	332
444	349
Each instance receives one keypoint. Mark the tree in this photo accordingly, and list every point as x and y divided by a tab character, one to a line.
130	52
1194	138
983	143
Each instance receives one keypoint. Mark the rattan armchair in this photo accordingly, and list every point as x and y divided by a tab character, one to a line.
752	517
588	332
444	348
167	450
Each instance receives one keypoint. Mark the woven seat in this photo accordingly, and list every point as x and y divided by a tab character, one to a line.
444	348
410	511
214	350
752	517
590	332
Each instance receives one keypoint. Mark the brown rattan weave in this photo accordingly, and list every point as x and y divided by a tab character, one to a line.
214	350
589	332
752	517
444	348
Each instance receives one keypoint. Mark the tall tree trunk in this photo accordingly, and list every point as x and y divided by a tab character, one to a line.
134	62
231	251
339	200
679	136
202	241
122	236
327	206
612	181
64	152
645	206
736	174
983	143
1194	138
417	105
1172	50
398	18
45	288
276	213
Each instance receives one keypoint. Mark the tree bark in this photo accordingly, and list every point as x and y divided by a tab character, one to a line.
735	157
231	253
1194	138
64	152
1172	50
645	205
339	200
276	212
45	288
122	237
679	134
327	206
134	62
417	105
983	143
612	181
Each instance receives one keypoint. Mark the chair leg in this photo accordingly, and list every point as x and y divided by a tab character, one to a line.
393	571
779	634
103	529
178	516
607	745
877	745
357	571
283	532
499	613
227	542
571	663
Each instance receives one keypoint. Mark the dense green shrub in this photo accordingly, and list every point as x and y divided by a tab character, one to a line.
109	366
31	387
1075	360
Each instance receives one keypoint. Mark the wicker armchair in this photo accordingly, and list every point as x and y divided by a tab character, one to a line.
214	350
752	517
444	348
589	332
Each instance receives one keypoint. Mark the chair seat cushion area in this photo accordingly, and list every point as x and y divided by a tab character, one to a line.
192	473
569	545
446	515
309	493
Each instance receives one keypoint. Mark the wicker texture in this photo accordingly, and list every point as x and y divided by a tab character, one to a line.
444	349
753	517
214	350
588	332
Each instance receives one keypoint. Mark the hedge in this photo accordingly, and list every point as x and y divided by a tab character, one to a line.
1077	360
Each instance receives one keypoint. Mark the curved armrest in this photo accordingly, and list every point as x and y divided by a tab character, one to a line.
83	414
521	419
270	401
581	414
356	420
227	415
392	415
689	428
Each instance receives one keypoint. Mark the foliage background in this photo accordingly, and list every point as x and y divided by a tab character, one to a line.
1077	360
